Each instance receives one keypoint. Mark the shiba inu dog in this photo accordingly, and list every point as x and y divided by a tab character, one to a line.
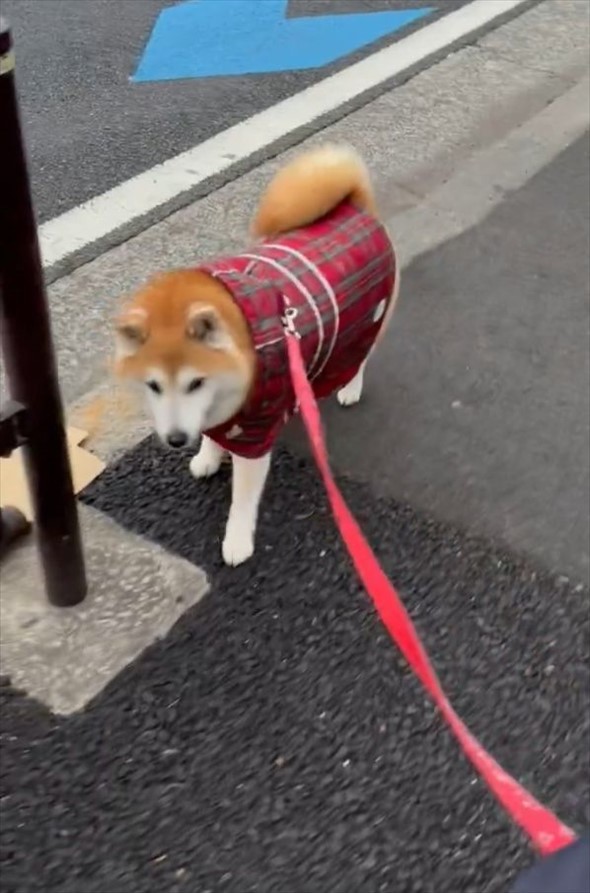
209	343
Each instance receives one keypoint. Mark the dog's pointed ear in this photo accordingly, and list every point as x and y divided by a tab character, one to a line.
204	325
131	331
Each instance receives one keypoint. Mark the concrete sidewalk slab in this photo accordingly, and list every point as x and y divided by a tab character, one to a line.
483	181
65	656
552	37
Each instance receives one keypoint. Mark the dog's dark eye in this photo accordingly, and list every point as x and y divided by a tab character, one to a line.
154	386
194	385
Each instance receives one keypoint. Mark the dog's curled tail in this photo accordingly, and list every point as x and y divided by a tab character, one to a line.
311	186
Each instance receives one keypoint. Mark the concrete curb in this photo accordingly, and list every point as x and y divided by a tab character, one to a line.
65	656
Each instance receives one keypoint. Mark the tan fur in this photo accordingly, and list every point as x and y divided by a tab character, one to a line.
310	187
303	191
165	304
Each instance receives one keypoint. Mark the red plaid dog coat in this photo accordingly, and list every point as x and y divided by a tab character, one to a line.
337	276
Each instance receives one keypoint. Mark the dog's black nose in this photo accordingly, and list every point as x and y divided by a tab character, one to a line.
177	439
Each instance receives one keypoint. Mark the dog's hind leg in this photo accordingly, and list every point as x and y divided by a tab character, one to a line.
352	392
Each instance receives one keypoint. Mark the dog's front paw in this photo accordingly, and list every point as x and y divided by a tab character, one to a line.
208	460
238	545
351	394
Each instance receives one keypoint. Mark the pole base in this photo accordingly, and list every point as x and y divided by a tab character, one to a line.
13	525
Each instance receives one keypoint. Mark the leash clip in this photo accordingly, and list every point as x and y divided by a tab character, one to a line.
289	322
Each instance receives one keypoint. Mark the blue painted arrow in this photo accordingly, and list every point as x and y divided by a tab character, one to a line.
211	38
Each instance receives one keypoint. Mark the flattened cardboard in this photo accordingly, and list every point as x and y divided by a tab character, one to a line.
13	482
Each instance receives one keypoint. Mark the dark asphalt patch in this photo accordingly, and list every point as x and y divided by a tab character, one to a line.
478	399
274	741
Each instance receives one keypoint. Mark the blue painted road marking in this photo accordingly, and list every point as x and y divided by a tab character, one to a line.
213	38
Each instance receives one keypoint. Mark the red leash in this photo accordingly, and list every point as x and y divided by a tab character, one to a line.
545	830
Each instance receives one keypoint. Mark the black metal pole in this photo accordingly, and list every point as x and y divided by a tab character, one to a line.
29	358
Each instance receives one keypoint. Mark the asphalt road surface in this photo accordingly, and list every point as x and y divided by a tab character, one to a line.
274	741
89	128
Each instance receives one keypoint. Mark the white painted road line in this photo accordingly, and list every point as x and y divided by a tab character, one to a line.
116	210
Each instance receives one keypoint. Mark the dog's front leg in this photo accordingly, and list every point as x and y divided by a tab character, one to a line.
208	460
249	477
